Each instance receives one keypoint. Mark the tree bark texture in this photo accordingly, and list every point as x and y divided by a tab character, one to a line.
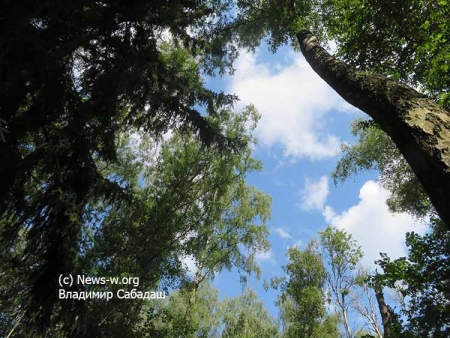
384	310
417	125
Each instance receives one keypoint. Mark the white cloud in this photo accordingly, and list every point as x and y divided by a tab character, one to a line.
190	264
293	102
265	257
373	226
283	233
314	194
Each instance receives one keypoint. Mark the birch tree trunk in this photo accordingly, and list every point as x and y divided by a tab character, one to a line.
348	330
191	302
418	126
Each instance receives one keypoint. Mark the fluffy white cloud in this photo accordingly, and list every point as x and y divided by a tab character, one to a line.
373	226
265	257
314	194
283	233
293	101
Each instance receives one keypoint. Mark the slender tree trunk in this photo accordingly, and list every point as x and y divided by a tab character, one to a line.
348	330
196	284
418	126
384	310
191	302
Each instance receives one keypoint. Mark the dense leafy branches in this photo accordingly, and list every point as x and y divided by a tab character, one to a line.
242	316
188	200
423	279
302	301
72	77
374	150
407	40
166	318
245	316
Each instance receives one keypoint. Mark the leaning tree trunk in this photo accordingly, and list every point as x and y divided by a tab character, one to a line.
386	316
418	126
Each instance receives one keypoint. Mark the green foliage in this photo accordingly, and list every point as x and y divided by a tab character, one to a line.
329	328
364	334
166	318
374	150
74	76
242	316
423	279
182	197
245	316
340	250
328	270
278	20
342	254
302	299
404	39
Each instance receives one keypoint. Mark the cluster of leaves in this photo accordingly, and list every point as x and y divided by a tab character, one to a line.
242	316
245	316
276	20
374	150
302	300
182	195
74	76
423	279
166	318
405	39
326	272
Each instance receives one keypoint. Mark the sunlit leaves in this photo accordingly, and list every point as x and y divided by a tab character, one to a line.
302	298
374	150
403	39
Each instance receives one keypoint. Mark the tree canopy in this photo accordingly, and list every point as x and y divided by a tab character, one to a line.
73	77
79	81
374	150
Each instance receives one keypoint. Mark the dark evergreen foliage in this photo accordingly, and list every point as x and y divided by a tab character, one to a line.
72	76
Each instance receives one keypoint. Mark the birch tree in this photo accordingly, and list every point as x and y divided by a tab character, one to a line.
342	255
418	123
418	126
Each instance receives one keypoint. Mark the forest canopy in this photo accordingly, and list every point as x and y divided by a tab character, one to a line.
118	159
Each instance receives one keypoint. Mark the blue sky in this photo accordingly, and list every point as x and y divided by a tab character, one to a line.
302	127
